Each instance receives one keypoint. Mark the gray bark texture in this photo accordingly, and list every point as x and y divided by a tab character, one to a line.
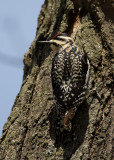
29	133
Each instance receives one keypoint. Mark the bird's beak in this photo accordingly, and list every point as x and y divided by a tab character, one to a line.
43	42
53	44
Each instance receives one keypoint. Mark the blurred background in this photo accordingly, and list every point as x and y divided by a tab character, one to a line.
18	23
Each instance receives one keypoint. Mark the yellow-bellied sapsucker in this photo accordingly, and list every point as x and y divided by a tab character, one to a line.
70	75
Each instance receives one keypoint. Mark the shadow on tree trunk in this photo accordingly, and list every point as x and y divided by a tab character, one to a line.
71	140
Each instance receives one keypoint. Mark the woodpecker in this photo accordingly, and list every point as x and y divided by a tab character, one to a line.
70	75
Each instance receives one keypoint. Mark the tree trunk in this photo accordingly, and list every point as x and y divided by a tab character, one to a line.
29	133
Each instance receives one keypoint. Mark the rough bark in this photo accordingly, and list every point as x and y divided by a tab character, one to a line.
29	132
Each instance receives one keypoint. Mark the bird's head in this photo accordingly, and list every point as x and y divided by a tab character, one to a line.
58	41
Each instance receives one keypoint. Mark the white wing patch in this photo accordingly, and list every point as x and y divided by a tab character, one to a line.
88	72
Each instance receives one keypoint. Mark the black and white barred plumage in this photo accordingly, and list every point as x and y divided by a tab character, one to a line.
70	76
